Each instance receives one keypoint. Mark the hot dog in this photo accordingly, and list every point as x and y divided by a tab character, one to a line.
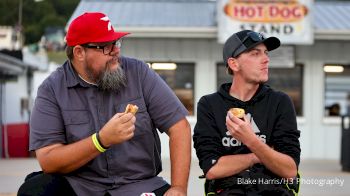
131	108
238	112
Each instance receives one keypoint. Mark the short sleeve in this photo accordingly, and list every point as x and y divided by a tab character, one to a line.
46	123
163	105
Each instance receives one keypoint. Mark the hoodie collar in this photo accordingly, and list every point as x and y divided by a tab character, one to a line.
260	93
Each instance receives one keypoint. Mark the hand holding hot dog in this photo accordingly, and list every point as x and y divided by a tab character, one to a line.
239	126
119	128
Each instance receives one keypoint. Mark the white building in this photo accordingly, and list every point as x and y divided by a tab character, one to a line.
16	85
186	33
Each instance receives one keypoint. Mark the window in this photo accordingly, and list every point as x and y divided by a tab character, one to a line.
337	89
180	78
222	76
287	80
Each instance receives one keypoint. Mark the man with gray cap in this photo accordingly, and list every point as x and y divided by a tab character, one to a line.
85	140
258	153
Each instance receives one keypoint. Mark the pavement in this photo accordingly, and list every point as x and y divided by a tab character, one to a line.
319	177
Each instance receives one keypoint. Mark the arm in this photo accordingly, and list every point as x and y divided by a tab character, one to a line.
215	161
180	157
231	164
61	158
168	115
76	155
207	141
279	163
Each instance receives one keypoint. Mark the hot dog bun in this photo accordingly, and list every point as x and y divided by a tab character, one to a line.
131	108
238	112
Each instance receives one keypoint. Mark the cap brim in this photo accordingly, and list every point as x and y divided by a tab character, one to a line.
272	43
109	38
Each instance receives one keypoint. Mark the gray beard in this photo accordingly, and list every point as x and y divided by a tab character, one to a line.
109	80
112	80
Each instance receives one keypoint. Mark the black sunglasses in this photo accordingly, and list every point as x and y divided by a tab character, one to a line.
249	39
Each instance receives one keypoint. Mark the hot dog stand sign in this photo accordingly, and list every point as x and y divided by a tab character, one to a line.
287	19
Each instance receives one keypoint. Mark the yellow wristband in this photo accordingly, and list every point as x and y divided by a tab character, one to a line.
97	144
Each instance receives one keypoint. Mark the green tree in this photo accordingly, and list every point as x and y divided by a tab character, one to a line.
36	16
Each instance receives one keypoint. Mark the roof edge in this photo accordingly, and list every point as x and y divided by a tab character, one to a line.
211	32
323	34
171	32
11	65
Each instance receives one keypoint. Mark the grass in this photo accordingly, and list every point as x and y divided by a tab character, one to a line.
57	56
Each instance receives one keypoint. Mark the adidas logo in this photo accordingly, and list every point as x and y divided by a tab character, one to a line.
252	122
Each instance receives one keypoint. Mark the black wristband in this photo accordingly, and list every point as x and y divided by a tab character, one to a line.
99	141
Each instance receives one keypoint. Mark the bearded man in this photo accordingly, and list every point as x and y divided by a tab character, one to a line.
84	141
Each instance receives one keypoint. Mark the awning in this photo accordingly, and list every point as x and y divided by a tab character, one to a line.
10	66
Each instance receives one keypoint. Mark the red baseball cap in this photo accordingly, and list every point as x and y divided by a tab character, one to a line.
91	27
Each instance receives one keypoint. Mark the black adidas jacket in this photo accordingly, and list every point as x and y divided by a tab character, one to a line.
271	114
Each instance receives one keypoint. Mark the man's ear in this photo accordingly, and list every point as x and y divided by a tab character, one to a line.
233	64
78	53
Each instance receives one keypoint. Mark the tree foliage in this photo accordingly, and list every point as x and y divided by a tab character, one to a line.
36	16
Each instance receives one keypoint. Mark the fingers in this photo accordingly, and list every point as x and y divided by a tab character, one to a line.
236	119
123	117
232	122
126	123
229	123
235	125
128	133
122	121
119	128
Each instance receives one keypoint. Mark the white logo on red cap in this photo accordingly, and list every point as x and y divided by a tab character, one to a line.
107	20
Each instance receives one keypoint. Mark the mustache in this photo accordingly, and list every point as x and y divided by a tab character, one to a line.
112	61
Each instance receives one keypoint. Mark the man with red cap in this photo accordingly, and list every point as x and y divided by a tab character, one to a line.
84	141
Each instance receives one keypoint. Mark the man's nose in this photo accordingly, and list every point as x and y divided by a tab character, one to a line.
266	57
115	50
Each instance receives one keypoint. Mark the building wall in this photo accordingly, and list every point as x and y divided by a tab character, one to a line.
15	129
320	136
14	92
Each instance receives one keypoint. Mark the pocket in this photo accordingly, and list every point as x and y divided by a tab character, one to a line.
139	102
77	124
75	117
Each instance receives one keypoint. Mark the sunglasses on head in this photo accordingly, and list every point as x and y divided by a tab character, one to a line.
249	39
